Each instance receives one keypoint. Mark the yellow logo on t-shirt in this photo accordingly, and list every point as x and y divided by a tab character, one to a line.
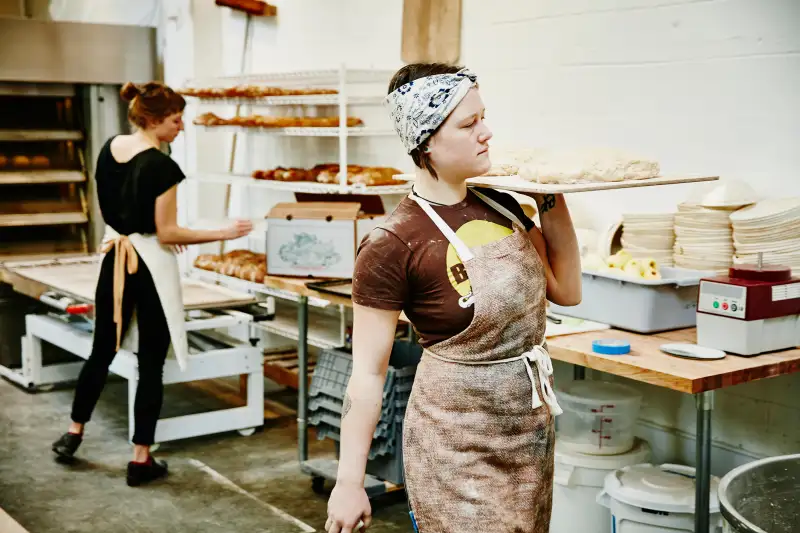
474	233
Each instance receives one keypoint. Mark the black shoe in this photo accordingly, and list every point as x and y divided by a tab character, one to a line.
141	473
66	446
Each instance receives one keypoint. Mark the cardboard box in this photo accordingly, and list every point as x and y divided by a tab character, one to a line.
315	239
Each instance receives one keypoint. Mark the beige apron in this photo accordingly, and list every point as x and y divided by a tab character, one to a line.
162	263
478	436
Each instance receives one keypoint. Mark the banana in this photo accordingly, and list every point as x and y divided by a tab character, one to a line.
651	263
633	268
651	273
619	259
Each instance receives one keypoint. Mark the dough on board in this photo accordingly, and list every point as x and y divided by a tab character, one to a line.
581	166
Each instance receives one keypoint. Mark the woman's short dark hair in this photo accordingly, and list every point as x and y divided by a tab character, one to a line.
410	73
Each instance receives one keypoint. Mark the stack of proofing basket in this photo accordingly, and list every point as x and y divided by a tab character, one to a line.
326	398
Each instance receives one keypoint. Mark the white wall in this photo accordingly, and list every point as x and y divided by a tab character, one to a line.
705	86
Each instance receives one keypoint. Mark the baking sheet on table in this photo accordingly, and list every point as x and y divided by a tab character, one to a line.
517	184
337	287
569	326
78	279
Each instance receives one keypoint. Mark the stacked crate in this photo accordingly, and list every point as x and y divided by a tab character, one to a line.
326	398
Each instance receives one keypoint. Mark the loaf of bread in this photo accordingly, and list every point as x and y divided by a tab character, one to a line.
250	91
40	161
20	161
328	173
263	121
242	264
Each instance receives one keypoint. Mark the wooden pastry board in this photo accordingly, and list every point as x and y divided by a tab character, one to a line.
517	184
78	278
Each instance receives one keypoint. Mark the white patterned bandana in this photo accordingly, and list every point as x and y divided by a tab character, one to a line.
419	107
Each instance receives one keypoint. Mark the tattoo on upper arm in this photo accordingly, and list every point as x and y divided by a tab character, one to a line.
548	203
348	403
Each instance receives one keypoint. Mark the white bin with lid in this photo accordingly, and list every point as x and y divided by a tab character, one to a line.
599	417
647	498
578	479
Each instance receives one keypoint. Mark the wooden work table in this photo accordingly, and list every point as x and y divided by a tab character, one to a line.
647	363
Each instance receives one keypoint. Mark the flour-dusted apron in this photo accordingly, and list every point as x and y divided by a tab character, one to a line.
162	263
478	437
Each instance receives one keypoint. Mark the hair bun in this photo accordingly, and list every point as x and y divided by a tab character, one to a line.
130	91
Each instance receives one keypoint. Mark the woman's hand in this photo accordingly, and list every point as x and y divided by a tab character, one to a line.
179	248
240	228
348	507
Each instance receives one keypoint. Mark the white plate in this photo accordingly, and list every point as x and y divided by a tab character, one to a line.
773	207
692	351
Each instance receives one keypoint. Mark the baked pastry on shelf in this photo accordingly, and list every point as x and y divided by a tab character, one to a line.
251	91
329	173
261	121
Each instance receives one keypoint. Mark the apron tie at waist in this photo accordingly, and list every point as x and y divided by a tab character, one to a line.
544	365
124	256
539	357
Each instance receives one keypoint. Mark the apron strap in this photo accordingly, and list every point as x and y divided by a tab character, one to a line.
499	208
124	256
462	249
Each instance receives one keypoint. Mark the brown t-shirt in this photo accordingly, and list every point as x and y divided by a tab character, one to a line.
407	264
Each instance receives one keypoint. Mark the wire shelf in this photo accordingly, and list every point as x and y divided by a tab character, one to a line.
301	186
311	99
358	131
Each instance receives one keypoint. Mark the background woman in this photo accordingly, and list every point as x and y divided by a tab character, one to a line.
139	276
472	273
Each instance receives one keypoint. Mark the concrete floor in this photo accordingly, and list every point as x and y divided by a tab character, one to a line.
222	483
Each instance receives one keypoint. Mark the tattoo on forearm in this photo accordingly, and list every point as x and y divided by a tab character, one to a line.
548	203
347	405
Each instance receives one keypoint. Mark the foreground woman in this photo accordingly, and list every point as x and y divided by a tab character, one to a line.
139	276
472	273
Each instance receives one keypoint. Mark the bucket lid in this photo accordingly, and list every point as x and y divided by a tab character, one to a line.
638	454
668	488
593	392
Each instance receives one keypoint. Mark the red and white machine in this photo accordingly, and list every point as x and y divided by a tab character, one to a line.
753	310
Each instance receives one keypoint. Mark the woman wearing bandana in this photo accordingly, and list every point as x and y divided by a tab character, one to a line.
473	274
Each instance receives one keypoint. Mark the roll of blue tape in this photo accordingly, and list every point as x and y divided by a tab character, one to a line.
611	347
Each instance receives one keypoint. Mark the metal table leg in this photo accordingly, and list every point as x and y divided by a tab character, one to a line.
302	381
705	404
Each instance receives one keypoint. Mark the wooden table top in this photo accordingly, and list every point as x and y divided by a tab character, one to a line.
647	363
298	286
79	280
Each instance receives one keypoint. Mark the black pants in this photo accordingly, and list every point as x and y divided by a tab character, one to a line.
154	341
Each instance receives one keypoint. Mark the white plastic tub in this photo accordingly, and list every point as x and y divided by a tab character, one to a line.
647	499
579	478
599	417
641	305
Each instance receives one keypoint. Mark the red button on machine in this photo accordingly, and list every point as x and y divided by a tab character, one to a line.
725	306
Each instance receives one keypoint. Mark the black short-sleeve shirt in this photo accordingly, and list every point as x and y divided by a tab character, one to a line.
127	191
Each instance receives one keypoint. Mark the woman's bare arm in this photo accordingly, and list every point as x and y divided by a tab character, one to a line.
170	233
373	338
557	245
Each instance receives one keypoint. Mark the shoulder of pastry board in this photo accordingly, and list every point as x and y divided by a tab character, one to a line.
315	210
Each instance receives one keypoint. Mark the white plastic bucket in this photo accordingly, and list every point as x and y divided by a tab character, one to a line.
646	499
579	478
599	417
